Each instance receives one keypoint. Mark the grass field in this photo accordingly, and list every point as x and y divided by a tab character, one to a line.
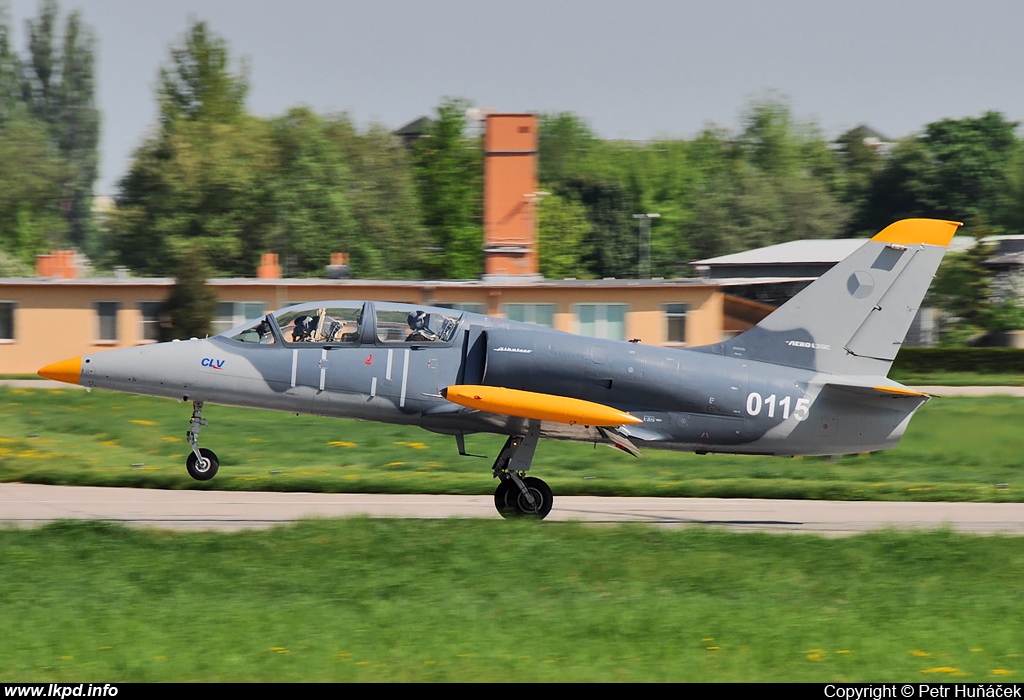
369	600
955	449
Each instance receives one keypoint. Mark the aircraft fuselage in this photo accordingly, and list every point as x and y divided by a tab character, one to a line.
694	400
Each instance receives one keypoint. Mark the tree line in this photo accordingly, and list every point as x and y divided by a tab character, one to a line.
213	183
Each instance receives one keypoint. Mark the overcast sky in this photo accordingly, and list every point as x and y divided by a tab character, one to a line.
638	70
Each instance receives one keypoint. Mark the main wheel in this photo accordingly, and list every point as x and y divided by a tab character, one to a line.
542	497
202	469
504	500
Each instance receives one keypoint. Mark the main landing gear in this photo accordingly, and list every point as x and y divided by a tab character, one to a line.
518	494
202	464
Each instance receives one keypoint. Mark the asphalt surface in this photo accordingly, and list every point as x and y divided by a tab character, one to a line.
28	505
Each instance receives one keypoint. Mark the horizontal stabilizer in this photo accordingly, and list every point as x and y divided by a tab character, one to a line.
896	391
530	404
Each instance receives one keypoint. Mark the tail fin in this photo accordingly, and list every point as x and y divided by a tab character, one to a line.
853	319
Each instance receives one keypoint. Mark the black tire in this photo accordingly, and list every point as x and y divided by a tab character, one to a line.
504	500
541	493
200	471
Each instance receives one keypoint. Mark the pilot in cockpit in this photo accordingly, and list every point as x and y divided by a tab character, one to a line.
419	323
303	328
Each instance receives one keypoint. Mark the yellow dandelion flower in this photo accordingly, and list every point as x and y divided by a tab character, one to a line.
941	669
918	652
139	421
341	443
1001	672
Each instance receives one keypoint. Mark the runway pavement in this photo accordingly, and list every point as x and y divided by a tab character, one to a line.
28	505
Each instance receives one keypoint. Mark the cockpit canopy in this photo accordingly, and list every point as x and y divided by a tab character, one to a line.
350	323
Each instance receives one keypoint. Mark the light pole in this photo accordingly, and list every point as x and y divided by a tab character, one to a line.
644	222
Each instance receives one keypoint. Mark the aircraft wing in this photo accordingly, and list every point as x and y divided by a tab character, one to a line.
559	417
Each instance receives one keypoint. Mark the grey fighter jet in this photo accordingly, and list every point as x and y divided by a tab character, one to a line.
810	379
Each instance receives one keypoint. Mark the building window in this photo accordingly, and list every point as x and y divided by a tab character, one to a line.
675	316
7	320
150	311
234	313
539	314
602	320
467	306
106	314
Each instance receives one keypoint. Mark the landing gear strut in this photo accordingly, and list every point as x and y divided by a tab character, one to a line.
518	494
202	464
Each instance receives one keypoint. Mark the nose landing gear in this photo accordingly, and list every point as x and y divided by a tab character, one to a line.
202	464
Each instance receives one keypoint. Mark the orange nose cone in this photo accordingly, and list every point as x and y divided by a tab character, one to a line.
64	371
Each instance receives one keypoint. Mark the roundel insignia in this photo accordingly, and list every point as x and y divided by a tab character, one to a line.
860	285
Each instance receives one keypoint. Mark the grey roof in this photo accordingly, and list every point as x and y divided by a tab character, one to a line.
863	131
806	251
417	127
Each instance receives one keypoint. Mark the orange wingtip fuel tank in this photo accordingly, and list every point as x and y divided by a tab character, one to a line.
529	404
64	371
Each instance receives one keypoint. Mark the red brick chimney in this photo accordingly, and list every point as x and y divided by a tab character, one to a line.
268	268
60	264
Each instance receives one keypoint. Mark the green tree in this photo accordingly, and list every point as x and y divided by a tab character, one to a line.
10	79
564	144
310	186
562	229
31	183
58	89
201	185
189	308
449	177
79	129
972	156
197	83
769	137
390	240
204	180
962	290
956	169
611	249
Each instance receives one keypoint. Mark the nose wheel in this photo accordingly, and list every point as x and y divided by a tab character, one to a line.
202	464
204	467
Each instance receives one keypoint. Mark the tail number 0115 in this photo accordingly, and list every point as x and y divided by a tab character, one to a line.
772	404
